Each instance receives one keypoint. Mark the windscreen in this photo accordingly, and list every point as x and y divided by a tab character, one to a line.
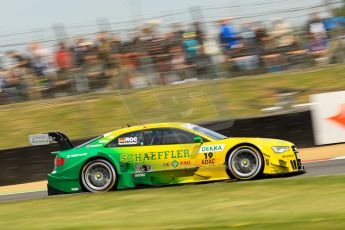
212	134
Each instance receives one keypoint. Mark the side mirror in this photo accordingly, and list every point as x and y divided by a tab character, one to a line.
198	139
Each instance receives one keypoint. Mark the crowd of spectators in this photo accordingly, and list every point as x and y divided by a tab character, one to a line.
151	57
256	48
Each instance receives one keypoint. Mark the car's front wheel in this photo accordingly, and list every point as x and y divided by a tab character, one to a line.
98	175
244	163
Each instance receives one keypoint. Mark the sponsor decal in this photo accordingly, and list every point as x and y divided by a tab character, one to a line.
143	168
139	175
103	141
76	155
208	161
174	163
339	118
128	140
74	189
211	148
39	139
146	168
94	146
151	156
328	113
184	162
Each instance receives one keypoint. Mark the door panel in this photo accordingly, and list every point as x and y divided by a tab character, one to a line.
210	154
165	155
210	161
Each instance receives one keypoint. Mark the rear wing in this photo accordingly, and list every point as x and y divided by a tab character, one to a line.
51	137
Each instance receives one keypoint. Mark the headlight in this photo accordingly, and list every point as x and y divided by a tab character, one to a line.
280	149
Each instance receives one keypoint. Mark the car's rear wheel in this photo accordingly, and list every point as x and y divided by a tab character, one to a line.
98	175
244	163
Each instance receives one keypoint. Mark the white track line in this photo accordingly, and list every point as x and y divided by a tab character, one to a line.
339	158
14	193
324	159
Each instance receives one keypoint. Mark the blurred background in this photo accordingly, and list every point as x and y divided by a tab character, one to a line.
141	61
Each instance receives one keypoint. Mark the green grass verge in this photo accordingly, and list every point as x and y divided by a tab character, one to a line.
93	114
292	203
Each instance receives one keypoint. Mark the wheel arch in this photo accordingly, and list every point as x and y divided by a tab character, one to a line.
96	157
244	144
240	145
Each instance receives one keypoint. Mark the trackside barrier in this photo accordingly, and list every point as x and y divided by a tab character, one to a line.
294	127
28	164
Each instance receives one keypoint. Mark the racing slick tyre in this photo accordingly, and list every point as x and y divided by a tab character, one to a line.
98	176
244	163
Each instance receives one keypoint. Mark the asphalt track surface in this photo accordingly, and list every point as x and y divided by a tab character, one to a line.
321	168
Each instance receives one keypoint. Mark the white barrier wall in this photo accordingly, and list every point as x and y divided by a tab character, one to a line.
328	115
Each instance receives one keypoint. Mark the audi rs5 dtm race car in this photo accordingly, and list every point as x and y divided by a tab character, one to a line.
162	154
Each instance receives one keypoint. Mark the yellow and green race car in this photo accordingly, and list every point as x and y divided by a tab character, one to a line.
163	154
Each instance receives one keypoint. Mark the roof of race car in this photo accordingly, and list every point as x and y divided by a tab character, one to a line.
111	135
150	126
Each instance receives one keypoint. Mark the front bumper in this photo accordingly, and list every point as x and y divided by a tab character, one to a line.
301	167
285	166
285	163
